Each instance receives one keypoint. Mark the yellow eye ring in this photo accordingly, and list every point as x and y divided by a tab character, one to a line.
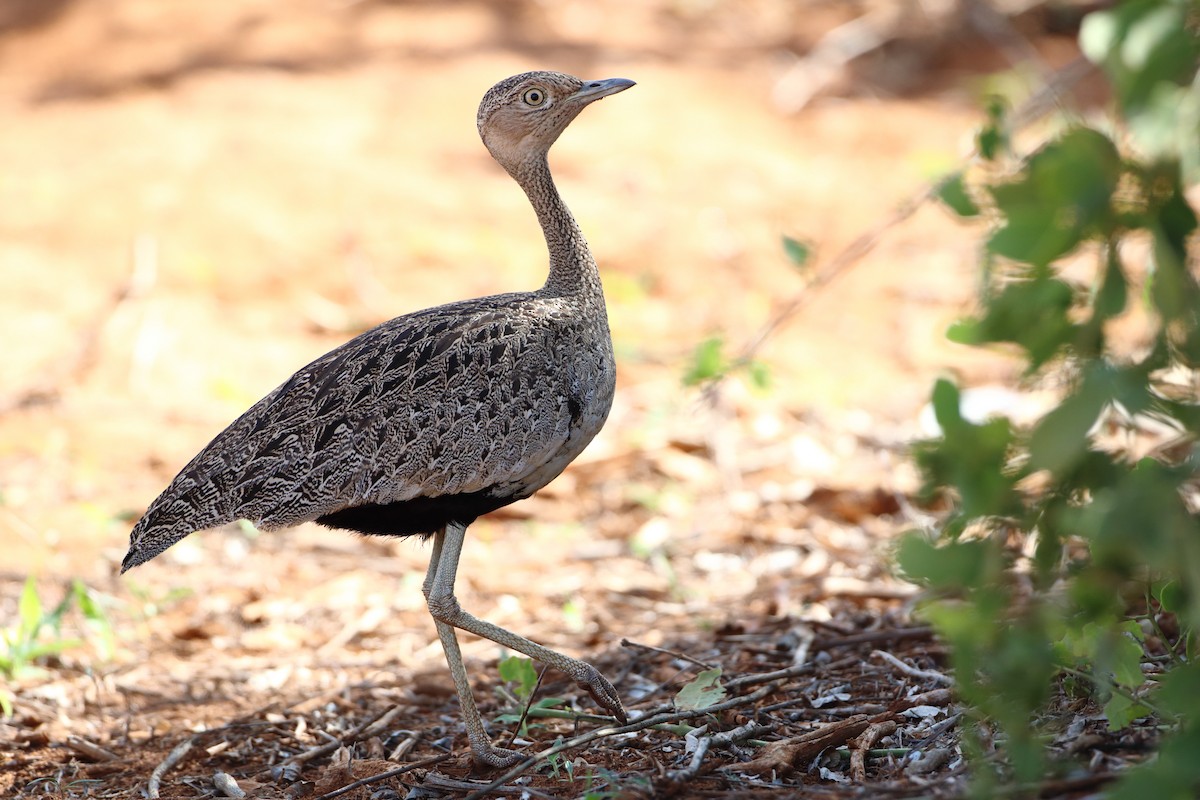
533	97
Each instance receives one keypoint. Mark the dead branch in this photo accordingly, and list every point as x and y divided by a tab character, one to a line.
364	730
174	757
1037	106
648	721
865	741
913	672
227	786
90	750
665	652
724	739
383	776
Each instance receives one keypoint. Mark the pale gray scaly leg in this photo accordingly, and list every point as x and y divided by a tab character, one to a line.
447	615
482	749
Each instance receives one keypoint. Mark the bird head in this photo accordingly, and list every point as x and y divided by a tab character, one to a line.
520	117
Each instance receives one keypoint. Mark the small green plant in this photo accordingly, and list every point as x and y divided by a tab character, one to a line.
521	681
38	632
1071	553
151	604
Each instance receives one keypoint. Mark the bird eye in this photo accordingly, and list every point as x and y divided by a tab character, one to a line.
534	97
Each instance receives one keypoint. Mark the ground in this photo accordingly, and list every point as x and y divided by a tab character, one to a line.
197	199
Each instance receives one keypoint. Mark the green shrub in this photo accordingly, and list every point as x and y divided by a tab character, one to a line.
1072	552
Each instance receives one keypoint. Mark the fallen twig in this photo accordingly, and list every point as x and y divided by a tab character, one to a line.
925	674
91	750
723	739
383	776
786	755
174	757
363	730
936	730
439	781
528	705
665	652
870	637
865	741
648	721
227	786
1039	104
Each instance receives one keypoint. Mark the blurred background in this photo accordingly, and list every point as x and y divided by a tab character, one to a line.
198	198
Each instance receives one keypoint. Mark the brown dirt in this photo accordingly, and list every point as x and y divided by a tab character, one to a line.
196	199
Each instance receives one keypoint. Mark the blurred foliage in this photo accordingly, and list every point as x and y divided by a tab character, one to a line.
709	363
1072	552
37	634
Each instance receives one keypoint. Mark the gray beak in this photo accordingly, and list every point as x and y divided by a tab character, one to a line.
594	90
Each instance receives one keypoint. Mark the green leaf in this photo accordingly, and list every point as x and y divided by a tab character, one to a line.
708	362
1141	522
951	565
760	375
520	673
703	691
946	400
1062	197
1180	688
953	194
971	458
1140	44
1111	297
992	139
798	252
1060	439
1034	314
29	609
1171	596
1121	711
1125	659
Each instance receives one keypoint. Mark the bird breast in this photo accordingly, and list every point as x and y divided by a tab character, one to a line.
503	408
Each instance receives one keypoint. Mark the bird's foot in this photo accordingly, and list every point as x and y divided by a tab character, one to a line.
602	692
486	754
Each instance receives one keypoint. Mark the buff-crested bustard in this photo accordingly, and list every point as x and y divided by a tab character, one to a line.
428	421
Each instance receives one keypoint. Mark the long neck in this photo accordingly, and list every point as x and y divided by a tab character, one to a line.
572	269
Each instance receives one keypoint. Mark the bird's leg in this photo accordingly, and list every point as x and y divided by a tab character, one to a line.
482	749
443	605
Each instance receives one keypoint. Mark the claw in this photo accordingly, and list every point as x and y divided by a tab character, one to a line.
487	755
604	694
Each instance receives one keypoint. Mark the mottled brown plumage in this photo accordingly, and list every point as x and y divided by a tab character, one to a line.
426	422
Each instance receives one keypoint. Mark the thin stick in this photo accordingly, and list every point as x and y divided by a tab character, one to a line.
870	637
666	652
1033	109
227	786
724	739
789	672
860	748
93	751
380	719
913	672
173	758
648	721
439	781
383	776
528	705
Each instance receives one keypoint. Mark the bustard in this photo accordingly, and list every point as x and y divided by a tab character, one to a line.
428	421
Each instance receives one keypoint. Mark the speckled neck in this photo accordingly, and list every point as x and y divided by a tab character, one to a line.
573	271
